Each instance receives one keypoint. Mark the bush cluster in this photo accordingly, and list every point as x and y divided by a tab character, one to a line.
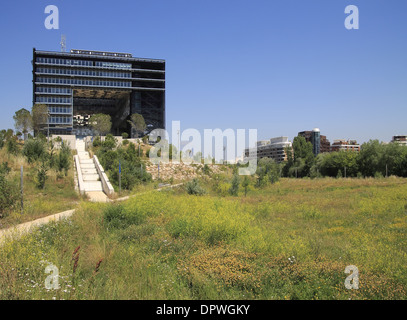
125	157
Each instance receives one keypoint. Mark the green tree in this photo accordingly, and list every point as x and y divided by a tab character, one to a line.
268	171
290	161
303	157
12	146
41	175
110	142
5	136
137	123
101	123
370	157
39	116
331	163
23	121
246	184
64	158
173	152
235	183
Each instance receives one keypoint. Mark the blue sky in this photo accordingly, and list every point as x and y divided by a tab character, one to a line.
278	66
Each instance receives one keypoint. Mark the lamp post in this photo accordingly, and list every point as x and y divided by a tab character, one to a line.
48	114
179	147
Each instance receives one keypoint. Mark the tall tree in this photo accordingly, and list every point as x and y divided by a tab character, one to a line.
303	157
101	123
23	121
137	123
39	115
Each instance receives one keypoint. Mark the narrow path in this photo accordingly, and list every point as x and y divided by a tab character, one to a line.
20	229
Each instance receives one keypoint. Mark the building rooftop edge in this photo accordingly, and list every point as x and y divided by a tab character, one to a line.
97	55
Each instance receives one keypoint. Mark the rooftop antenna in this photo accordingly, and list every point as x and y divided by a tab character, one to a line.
63	43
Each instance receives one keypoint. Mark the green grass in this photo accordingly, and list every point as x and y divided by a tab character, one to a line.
58	194
290	240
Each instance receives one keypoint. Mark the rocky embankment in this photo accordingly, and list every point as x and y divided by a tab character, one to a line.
180	171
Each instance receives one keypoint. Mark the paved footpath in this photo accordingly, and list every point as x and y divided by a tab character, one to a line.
20	229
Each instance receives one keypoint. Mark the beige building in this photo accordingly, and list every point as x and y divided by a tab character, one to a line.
400	140
273	148
345	145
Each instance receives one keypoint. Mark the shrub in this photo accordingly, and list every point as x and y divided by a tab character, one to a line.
9	195
378	175
246	184
96	142
34	150
110	142
132	173
12	146
117	217
234	188
268	171
222	188
193	187
206	170
41	175
125	135
4	169
64	159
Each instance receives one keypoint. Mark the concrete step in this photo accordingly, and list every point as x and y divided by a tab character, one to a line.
90	177
83	155
89	171
97	196
85	161
88	166
92	186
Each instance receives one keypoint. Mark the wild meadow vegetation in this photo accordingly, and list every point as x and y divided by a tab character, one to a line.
222	236
288	240
48	178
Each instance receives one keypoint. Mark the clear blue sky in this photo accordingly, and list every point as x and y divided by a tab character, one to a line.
278	66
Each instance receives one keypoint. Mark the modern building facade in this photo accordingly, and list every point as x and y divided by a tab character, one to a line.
314	136
402	140
345	145
275	148
80	83
316	141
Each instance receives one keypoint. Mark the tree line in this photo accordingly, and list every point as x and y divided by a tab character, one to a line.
375	159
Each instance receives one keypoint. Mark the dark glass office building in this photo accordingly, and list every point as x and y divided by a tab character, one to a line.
76	84
316	141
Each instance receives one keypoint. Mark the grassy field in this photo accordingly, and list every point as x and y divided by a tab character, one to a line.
58	194
290	240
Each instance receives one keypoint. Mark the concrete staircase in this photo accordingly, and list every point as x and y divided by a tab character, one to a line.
91	180
90	176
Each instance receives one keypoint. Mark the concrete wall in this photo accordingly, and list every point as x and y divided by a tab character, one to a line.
79	174
69	139
106	185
